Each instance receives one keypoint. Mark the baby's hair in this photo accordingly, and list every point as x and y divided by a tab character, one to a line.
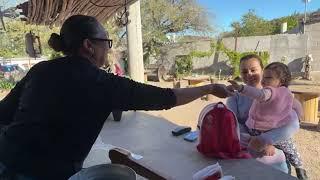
281	71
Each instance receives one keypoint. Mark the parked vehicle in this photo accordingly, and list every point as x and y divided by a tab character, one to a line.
12	71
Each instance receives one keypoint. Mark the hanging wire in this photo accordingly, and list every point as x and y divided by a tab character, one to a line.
123	18
117	5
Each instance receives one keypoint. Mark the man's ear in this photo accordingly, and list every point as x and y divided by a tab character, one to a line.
88	46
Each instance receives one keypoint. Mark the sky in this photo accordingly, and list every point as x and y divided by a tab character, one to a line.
224	12
10	2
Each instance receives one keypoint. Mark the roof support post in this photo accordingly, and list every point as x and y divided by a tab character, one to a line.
134	38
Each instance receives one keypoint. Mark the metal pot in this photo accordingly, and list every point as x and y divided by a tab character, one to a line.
106	172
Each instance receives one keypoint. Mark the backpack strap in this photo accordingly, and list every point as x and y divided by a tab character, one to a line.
221	104
203	112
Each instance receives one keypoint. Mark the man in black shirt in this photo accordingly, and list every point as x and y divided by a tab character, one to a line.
54	114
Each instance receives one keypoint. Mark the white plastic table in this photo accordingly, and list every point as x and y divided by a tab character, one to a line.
151	137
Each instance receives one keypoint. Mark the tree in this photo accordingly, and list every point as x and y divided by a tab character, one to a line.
159	18
163	17
12	42
251	25
292	22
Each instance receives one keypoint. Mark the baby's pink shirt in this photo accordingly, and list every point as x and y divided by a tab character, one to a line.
270	109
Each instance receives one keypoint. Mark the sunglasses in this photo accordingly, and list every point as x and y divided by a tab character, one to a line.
109	41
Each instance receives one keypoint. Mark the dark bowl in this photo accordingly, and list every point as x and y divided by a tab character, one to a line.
106	172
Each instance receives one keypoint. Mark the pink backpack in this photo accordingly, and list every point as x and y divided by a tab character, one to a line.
219	135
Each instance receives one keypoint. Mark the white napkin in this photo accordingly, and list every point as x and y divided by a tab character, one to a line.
227	178
208	171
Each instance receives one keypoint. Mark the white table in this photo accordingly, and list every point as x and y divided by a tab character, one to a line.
151	137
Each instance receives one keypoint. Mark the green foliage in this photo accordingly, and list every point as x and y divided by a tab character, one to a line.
292	22
234	57
12	42
159	18
183	65
6	85
55	55
253	25
201	54
7	53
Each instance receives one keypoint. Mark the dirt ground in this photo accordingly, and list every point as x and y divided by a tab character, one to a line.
307	139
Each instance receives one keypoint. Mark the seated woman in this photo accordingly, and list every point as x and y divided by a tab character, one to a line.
251	72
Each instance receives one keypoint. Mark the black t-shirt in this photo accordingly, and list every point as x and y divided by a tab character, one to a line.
54	114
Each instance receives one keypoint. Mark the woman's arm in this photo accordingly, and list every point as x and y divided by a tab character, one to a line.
186	95
120	93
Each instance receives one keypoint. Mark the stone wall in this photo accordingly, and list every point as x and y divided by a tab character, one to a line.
200	65
288	48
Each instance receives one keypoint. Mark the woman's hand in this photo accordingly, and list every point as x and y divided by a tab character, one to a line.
256	144
186	95
269	150
235	85
221	91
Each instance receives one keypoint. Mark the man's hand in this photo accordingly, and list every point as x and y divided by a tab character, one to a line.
221	91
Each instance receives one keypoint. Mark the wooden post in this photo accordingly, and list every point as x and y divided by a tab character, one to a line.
310	107
134	37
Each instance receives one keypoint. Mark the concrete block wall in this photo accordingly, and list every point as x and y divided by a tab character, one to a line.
289	47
